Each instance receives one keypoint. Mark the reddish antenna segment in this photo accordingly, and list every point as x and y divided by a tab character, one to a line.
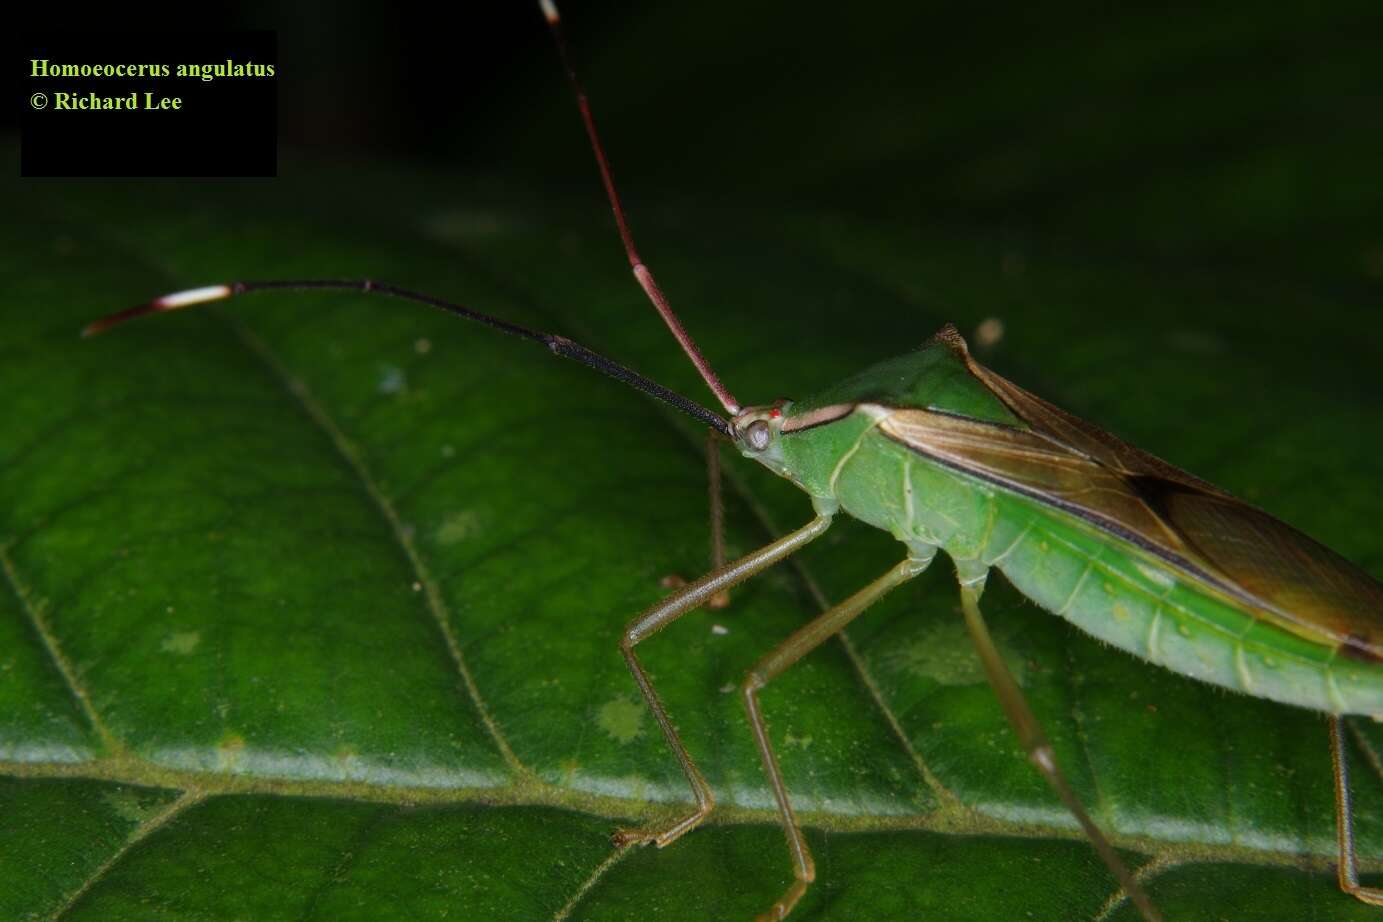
641	271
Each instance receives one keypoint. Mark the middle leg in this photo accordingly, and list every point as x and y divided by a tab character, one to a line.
799	644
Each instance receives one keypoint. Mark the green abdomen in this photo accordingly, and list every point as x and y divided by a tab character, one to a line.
1139	603
1103	583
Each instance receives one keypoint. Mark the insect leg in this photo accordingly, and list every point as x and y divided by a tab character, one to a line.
1344	818
659	616
799	644
1039	750
722	598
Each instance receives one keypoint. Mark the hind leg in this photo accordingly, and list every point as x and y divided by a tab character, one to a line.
1344	819
1035	743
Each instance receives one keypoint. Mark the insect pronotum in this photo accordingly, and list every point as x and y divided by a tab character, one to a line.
944	454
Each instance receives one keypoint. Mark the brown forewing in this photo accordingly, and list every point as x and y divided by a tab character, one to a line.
1272	569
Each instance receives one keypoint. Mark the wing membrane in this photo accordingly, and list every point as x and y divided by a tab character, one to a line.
1279	565
1285	576
1076	434
1032	462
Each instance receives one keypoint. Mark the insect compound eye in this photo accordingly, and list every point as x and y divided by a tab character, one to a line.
757	435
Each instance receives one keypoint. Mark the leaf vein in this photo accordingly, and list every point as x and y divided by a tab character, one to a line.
34	613
614	858
349	855
436	605
1151	869
140	833
520	794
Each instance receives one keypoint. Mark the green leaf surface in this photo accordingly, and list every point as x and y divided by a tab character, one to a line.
311	602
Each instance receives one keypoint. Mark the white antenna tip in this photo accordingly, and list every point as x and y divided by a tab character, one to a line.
192	296
550	11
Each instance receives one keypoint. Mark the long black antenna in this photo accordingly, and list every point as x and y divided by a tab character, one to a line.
558	345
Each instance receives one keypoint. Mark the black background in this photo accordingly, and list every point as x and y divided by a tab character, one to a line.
355	78
1234	133
226	126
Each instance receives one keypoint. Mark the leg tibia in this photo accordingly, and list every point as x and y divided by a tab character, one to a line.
1039	751
1348	868
799	644
659	616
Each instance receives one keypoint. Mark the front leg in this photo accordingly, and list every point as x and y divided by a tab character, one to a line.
659	616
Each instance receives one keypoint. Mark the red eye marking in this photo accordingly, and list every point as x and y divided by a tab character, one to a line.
775	413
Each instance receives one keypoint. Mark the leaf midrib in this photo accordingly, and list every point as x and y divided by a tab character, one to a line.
136	772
